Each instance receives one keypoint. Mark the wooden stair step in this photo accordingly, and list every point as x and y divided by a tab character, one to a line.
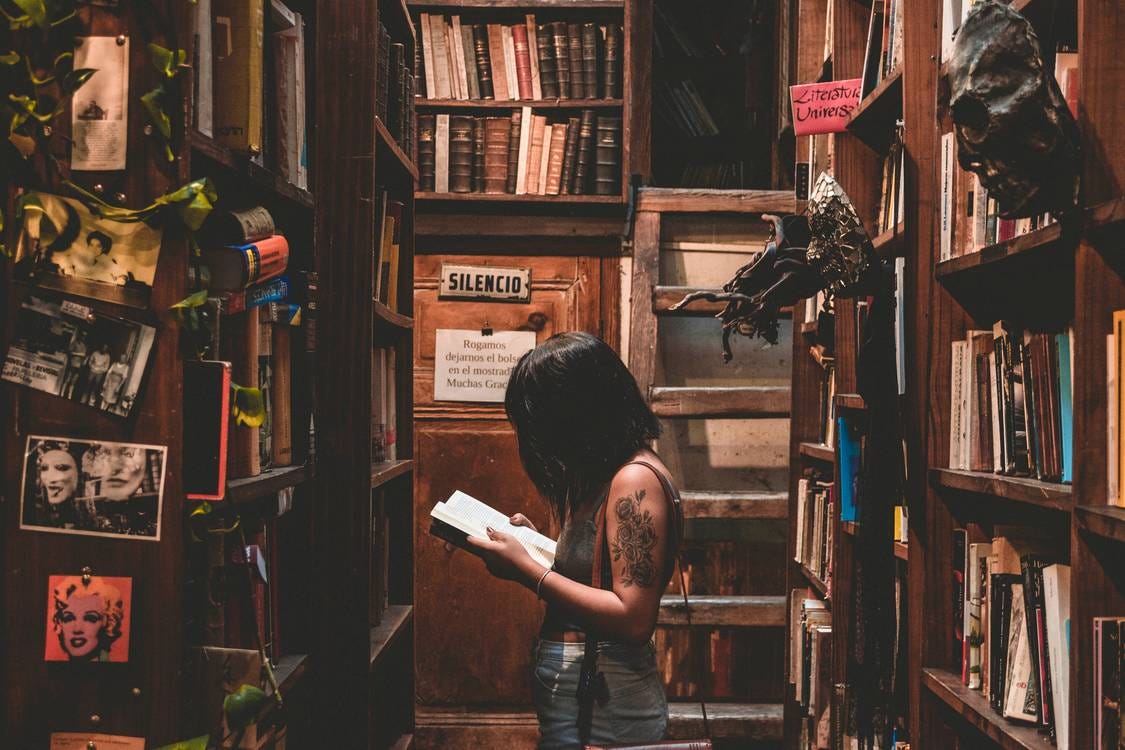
735	505
736	401
723	611
751	721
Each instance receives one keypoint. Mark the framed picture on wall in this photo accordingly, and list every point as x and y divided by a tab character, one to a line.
88	618
92	487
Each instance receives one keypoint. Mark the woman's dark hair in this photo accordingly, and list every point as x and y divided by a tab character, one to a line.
102	238
578	415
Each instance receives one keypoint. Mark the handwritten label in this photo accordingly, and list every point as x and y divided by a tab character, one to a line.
470	366
824	107
485	282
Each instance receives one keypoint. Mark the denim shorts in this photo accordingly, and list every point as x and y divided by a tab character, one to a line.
637	710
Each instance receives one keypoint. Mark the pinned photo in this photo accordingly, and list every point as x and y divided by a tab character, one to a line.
65	349
64	246
91	487
88	618
85	741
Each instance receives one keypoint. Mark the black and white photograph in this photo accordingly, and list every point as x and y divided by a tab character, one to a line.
64	348
92	487
64	246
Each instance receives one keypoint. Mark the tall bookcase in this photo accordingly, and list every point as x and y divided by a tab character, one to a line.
363	668
1047	279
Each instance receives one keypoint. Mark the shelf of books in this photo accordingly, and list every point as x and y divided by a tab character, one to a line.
1018	355
521	102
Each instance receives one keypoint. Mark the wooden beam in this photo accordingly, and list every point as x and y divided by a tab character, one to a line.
735	505
743	401
646	274
682	200
724	611
761	722
455	224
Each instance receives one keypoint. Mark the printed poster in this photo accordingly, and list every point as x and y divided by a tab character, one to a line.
99	118
470	366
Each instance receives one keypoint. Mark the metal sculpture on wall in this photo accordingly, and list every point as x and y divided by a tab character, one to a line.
825	249
1013	127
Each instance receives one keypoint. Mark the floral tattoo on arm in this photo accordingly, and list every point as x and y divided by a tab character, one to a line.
635	541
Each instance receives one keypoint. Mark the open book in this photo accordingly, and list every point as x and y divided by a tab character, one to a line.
461	516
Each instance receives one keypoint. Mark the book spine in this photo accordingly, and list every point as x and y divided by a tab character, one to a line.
457	52
478	155
523	62
611	72
514	151
510	62
426	30
242	352
590	35
585	152
497	59
535	154
460	154
468	51
237	62
420	67
497	134
548	72
545	157
533	56
562	58
570	157
442	83
555	159
426	127
251	225
522	150
607	170
483	60
265	385
441	154
577	71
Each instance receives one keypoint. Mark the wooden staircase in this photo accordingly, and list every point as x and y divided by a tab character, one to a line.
738	724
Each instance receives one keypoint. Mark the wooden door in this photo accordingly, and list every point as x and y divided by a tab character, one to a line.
474	633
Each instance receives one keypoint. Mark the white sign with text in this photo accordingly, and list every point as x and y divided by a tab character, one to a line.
469	366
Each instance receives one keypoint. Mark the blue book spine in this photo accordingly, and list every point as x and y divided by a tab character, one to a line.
849	469
275	290
1066	406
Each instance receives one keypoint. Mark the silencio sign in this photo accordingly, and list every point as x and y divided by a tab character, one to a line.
485	283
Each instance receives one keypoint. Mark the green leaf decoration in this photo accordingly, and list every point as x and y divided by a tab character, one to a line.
73	80
192	203
186	311
248	406
36	12
242	706
9	58
165	60
196	743
160	120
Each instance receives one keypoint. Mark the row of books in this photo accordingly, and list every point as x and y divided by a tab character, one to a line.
970	217
528	61
1012	627
384	411
810	666
1012	397
827	408
883	55
386	260
723	175
814	527
524	154
892	193
679	104
394	90
239	47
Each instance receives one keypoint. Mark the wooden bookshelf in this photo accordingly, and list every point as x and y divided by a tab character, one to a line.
394	625
1107	522
519	4
814	580
852	401
384	471
873	122
391	318
269	482
517	103
398	156
818	452
999	258
890	244
204	147
608	200
1014	489
973	707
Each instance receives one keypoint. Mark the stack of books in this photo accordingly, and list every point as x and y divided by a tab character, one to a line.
1012	627
815	504
810	667
523	61
523	154
394	90
1012	399
883	55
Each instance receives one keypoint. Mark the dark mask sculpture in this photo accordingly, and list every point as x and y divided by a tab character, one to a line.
825	249
1013	126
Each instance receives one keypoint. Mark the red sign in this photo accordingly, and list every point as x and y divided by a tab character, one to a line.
824	107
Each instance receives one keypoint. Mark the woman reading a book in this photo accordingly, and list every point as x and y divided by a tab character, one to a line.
583	431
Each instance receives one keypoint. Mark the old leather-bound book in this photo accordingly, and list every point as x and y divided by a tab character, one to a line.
496	58
548	72
611	70
535	154
584	166
607	165
478	154
523	62
484	64
590	36
562	57
555	158
460	154
514	151
426	153
577	71
497	133
533	55
570	157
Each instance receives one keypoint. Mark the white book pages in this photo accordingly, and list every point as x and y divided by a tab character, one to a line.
471	516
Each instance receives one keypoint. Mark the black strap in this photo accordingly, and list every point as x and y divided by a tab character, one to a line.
591	682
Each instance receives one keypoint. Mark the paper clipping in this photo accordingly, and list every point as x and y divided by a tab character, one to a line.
470	366
99	117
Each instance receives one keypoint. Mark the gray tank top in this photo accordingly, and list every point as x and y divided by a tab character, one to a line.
574	555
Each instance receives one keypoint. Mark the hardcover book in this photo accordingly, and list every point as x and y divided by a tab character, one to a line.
237	34
462	516
548	72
